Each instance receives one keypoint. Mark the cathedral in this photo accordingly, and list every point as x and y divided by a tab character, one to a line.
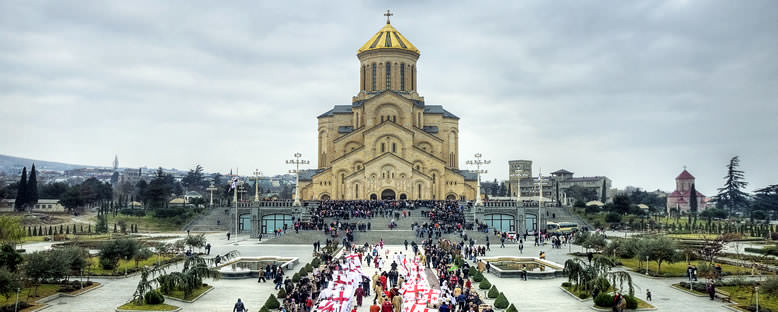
388	143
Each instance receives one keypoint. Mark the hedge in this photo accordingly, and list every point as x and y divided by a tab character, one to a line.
512	308
493	293
501	302
484	284
272	303
603	300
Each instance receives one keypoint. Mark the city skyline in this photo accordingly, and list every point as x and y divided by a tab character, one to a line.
634	95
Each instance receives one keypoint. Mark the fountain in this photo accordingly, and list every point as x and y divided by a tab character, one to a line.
249	267
512	267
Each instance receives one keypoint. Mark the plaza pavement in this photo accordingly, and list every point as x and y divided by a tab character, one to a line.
532	295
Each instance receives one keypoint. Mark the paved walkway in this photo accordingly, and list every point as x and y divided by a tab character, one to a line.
532	295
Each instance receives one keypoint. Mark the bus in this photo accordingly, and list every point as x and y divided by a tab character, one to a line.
568	227
552	227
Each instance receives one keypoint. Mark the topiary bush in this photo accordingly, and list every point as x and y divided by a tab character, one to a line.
309	268
477	277
511	308
316	262
153	297
603	300
493	293
272	303
296	277
484	284
501	302
264	309
632	302
282	293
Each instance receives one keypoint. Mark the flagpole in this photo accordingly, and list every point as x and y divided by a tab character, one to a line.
235	199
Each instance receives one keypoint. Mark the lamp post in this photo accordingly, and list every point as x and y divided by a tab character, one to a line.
211	188
297	162
16	306
478	162
257	173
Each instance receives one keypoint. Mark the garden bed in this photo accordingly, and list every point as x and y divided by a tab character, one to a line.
178	295
742	295
129	266
131	306
578	295
46	292
677	269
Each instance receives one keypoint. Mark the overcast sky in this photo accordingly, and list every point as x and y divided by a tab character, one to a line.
633	90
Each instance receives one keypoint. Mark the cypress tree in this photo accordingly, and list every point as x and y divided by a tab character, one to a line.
693	200
29	231
60	229
50	230
32	187
21	192
89	228
74	228
67	230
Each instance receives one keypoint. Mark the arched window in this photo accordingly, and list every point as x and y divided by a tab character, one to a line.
388	70
394	118
342	178
419	123
383	148
382	118
402	77
394	147
433	178
356	122
375	68
364	77
413	78
356	190
419	191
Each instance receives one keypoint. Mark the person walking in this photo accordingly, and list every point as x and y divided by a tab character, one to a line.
208	249
228	235
239	307
521	248
502	242
648	294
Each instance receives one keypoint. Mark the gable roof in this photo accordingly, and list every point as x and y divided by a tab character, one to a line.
337	109
685	175
438	109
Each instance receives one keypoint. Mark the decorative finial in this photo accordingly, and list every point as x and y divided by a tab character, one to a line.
684	167
388	14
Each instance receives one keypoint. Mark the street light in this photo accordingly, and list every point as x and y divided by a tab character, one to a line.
257	173
211	188
478	162
297	162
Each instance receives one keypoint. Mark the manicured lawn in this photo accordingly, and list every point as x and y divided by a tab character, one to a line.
678	269
742	295
148	307
44	290
641	304
180	293
148	223
698	236
96	269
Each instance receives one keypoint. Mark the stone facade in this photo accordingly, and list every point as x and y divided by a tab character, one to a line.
680	198
388	144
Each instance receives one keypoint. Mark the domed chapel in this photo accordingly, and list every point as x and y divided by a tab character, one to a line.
388	143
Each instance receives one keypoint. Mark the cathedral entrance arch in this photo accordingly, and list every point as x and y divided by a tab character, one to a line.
373	197
388	194
325	197
403	196
451	197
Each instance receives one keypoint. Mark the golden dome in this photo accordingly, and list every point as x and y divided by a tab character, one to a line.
388	38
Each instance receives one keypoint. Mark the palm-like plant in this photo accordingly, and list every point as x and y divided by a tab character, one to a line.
597	274
196	268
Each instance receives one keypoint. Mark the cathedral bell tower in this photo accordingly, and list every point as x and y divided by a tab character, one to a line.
387	62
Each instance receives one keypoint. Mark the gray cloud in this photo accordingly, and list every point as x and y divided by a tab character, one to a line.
629	89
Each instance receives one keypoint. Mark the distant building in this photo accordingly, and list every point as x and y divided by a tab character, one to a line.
555	185
43	206
680	198
518	170
115	162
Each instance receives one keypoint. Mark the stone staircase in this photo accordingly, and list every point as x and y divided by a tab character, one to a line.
207	222
563	214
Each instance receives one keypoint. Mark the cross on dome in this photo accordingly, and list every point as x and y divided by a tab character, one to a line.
388	14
